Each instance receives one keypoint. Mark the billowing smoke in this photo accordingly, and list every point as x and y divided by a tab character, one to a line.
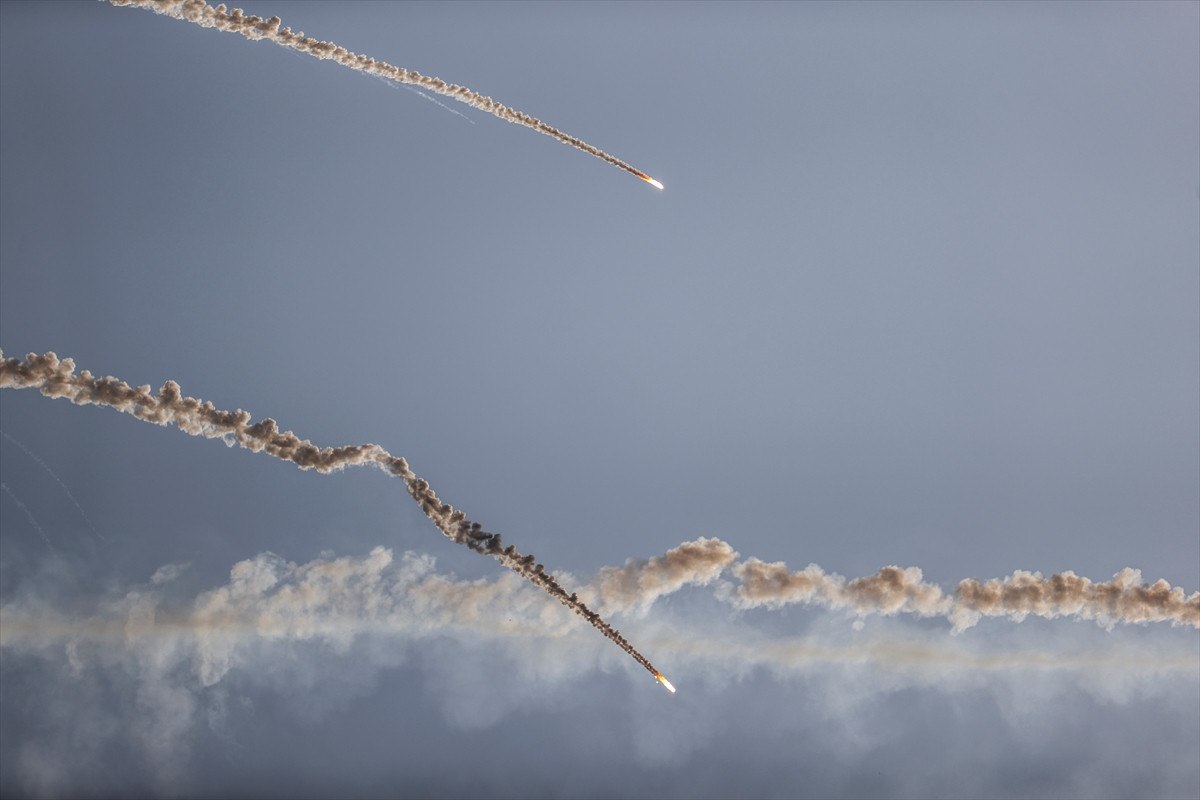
56	377
1126	598
256	28
890	591
639	583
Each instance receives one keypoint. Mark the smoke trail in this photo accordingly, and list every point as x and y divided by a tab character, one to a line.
29	515
256	28
892	590
54	475
1126	598
57	378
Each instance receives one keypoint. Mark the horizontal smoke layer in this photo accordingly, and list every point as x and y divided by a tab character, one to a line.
256	28
336	599
57	378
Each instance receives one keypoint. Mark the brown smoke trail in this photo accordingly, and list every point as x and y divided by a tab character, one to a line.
1126	598
256	28
57	378
639	583
892	590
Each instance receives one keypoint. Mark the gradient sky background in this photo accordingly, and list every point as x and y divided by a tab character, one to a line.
922	289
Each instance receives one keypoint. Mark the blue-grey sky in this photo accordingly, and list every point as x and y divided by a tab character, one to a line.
923	288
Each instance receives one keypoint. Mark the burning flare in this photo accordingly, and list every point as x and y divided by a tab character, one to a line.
56	377
649	180
663	680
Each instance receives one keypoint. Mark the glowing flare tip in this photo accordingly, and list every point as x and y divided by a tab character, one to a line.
652	182
663	680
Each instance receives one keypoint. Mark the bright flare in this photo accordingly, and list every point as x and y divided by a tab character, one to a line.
656	185
662	679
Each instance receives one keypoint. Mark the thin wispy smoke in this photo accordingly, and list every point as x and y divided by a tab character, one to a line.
28	515
60	481
55	377
256	28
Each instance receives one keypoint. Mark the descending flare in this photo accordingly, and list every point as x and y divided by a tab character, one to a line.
56	377
649	180
663	680
256	28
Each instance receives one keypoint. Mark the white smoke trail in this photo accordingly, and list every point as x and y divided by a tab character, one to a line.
64	486
56	378
28	515
434	100
256	28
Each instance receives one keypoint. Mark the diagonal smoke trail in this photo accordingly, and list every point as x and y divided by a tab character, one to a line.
57	378
256	28
29	515
54	475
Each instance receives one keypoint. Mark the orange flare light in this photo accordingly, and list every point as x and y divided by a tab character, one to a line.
649	180
663	680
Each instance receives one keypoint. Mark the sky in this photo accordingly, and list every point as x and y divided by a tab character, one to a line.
922	289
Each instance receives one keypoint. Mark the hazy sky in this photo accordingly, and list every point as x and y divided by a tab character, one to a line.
923	289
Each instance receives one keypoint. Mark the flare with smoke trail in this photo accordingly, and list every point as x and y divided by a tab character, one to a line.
256	28
637	585
57	378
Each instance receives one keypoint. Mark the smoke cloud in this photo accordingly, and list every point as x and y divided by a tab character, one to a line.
55	377
256	28
154	669
639	583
